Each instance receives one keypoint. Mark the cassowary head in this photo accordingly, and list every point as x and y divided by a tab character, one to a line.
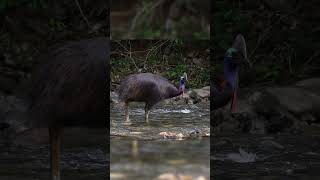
182	82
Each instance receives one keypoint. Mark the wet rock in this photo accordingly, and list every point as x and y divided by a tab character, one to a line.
273	109
117	176
223	121
113	97
258	126
180	100
200	93
242	156
171	176
191	97
295	100
167	176
312	85
270	145
229	126
171	135
284	107
200	178
198	133
195	133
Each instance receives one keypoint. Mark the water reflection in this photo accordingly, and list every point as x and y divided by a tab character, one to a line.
84	156
275	156
138	151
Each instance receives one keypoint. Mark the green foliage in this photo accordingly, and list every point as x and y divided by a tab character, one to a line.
152	28
149	33
170	65
200	35
200	79
5	4
56	24
227	20
176	71
122	64
277	46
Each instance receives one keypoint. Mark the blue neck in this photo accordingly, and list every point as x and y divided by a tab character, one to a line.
230	71
181	82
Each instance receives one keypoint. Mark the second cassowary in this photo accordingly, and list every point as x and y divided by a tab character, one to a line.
224	89
149	88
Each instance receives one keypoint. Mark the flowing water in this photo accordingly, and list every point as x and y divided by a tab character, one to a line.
140	151
268	157
84	156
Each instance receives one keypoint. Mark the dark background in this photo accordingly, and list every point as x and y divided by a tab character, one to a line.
28	28
282	38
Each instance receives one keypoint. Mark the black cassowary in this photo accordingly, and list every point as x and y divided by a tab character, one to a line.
69	88
225	88
148	88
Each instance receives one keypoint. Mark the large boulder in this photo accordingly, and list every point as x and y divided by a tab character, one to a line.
13	119
292	99
274	109
312	85
203	93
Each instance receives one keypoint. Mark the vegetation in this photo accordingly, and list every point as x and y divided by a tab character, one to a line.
163	19
281	38
29	27
168	58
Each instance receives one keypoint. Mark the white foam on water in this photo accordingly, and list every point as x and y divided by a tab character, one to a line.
185	111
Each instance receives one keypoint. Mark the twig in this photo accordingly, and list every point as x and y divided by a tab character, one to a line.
154	48
82	14
145	9
315	54
128	52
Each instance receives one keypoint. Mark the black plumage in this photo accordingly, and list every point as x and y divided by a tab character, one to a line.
148	88
69	85
69	88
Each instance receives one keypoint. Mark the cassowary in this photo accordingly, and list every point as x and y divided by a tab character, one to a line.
225	88
68	88
148	88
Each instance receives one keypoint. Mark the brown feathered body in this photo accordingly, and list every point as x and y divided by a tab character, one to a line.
69	86
146	87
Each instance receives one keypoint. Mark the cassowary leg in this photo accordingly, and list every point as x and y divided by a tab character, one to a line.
55	143
147	110
127	112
